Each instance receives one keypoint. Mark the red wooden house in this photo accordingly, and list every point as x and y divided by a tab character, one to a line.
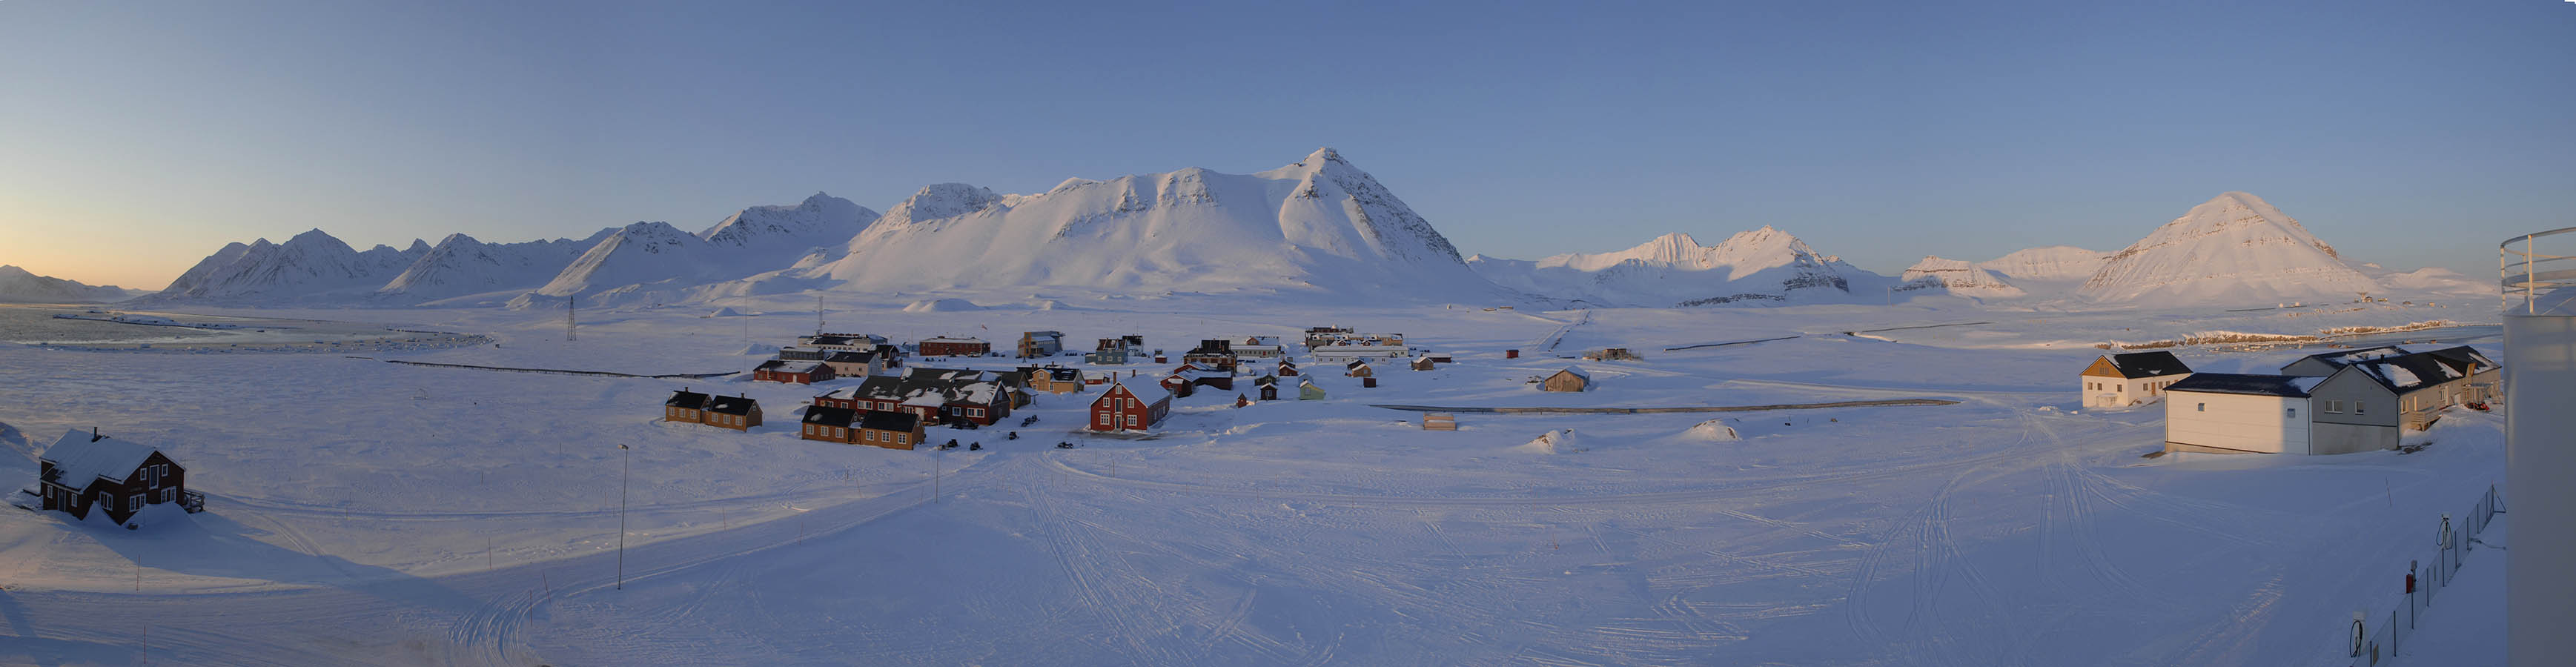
797	372
1118	409
954	347
83	472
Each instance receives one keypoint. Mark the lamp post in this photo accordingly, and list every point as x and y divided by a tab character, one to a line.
623	466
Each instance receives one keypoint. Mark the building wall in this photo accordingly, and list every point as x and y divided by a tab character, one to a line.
2237	422
2331	438
2113	391
1564	382
2348	389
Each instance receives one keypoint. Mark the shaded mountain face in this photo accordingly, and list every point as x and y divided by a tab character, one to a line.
312	267
2234	248
1761	267
1319	225
22	286
1956	277
460	266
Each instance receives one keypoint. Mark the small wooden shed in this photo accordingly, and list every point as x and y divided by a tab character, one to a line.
1570	379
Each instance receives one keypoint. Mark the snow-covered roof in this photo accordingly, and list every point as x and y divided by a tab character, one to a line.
829	416
687	399
1577	372
81	459
945	339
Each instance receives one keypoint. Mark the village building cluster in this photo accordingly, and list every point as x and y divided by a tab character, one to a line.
2328	403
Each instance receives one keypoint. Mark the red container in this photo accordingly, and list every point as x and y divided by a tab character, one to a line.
1511	354
1369	382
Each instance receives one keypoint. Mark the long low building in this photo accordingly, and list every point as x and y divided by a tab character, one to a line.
2230	412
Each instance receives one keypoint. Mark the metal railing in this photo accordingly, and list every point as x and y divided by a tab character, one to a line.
2375	645
2527	273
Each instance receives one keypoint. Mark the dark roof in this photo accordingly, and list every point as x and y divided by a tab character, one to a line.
829	416
2408	373
2134	365
1355	363
687	399
830	340
850	357
2238	383
2341	358
732	405
2462	355
889	420
800	354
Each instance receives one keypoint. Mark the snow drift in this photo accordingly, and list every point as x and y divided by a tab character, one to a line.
1555	442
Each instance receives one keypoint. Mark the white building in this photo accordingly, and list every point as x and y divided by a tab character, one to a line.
2228	412
2122	380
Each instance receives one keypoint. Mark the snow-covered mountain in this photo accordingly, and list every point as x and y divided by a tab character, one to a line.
1956	277
21	286
312	267
649	263
1763	266
2231	249
460	265
1320	224
773	236
2049	263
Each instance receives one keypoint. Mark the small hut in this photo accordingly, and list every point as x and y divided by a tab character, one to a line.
1307	391
1358	368
1570	379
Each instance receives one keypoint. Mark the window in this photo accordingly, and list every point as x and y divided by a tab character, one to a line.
902	438
1104	419
1131	421
2361	407
2292	413
2203	407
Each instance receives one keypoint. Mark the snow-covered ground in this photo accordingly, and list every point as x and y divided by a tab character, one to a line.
366	512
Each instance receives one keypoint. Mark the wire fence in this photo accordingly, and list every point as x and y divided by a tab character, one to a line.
2376	640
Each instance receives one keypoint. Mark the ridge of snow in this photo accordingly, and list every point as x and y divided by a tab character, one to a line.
1764	265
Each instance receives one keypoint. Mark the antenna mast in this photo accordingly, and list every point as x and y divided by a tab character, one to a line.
818	314
571	303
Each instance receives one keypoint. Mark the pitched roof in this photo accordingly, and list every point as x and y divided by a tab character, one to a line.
687	399
732	405
1577	372
2461	355
2292	386
829	416
889	420
2134	365
788	366
2407	373
850	356
80	460
2341	358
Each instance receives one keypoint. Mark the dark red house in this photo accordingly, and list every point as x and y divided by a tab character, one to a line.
1118	409
85	472
789	371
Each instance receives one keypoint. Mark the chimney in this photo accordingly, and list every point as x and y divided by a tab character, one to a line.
93	434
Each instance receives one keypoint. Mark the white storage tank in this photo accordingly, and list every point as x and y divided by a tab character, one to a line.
2539	281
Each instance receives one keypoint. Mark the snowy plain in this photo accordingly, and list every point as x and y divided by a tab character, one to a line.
362	512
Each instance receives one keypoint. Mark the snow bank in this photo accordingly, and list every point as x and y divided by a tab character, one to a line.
1714	430
941	306
1555	442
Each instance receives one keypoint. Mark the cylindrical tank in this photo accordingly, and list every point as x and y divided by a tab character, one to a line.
2540	444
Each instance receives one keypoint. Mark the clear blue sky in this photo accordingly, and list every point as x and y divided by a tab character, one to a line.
136	137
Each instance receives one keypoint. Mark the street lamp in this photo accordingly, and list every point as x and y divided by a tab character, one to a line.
622	467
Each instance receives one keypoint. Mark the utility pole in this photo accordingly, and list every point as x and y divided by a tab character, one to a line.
622	469
571	303
818	314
